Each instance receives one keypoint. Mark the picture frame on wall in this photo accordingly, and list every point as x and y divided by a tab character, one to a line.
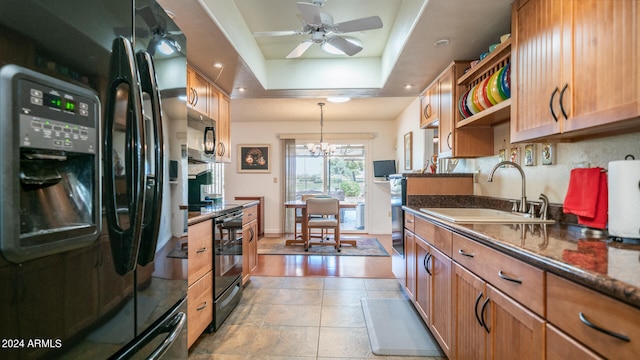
254	158
408	150
529	155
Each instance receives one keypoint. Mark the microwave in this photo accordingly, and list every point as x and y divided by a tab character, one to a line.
201	137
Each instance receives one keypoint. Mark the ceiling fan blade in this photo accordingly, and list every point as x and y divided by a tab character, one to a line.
300	49
368	23
343	45
277	33
310	13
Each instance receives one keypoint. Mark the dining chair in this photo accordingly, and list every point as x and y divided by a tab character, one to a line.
323	213
299	219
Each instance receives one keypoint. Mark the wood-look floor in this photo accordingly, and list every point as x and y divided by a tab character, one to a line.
330	266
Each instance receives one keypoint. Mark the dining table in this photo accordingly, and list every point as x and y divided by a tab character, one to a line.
302	205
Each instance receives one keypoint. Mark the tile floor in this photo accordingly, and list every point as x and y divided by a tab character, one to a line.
298	318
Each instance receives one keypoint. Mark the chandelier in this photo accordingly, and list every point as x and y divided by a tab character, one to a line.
323	148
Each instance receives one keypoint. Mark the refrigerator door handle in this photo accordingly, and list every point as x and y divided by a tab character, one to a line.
124	78
173	326
154	185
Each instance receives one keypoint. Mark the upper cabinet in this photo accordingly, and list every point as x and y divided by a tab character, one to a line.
575	68
206	98
223	152
429	105
197	91
453	141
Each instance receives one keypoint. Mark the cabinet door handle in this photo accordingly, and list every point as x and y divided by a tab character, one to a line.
482	312
449	140
564	88
553	95
202	307
463	253
425	263
602	330
426	111
201	250
475	309
505	277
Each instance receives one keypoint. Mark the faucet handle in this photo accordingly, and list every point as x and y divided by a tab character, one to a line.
514	207
532	208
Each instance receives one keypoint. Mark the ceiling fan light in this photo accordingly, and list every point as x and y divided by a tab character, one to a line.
330	49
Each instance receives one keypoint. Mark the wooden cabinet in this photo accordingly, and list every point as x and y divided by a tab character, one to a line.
520	281
249	242
259	211
468	296
423	284
490	325
223	129
458	142
197	91
200	278
410	258
566	81
430	107
560	346
607	326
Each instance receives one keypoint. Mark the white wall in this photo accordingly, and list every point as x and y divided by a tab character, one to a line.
382	146
552	180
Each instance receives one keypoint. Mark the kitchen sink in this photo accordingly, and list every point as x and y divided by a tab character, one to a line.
483	215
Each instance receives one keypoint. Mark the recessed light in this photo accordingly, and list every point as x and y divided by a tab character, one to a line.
338	99
408	86
241	89
218	65
441	43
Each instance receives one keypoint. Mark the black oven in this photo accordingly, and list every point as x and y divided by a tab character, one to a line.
227	264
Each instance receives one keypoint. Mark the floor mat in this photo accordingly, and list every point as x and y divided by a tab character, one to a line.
395	328
366	247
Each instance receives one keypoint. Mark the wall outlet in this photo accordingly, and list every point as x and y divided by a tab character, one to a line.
389	214
275	180
476	174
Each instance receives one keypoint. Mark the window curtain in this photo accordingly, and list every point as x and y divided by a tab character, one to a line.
289	183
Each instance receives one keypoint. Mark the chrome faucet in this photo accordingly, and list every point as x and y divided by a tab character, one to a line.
523	199
544	207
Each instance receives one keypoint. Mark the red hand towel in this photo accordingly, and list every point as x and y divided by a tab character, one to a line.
588	197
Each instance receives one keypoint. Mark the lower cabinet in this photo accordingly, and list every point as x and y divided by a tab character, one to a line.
491	325
561	346
249	242
481	303
200	275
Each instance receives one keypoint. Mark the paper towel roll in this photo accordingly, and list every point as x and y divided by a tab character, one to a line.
624	198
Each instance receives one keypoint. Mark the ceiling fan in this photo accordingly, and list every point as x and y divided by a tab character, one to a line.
319	25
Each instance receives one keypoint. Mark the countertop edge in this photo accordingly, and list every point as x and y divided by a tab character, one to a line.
210	215
619	290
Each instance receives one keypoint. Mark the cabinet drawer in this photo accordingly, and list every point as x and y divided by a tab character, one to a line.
568	301
561	346
199	307
520	281
440	238
200	250
409	221
249	214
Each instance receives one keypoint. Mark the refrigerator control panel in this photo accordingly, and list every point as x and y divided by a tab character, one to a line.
57	117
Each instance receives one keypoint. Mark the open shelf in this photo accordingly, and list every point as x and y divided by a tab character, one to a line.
494	115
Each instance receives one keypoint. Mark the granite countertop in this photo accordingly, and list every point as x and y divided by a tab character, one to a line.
215	210
607	266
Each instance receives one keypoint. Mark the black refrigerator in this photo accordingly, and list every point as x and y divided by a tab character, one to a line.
91	97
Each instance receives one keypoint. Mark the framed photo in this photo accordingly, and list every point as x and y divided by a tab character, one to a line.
254	158
529	155
547	154
408	151
514	155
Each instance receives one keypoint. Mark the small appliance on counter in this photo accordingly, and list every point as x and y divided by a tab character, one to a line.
624	199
